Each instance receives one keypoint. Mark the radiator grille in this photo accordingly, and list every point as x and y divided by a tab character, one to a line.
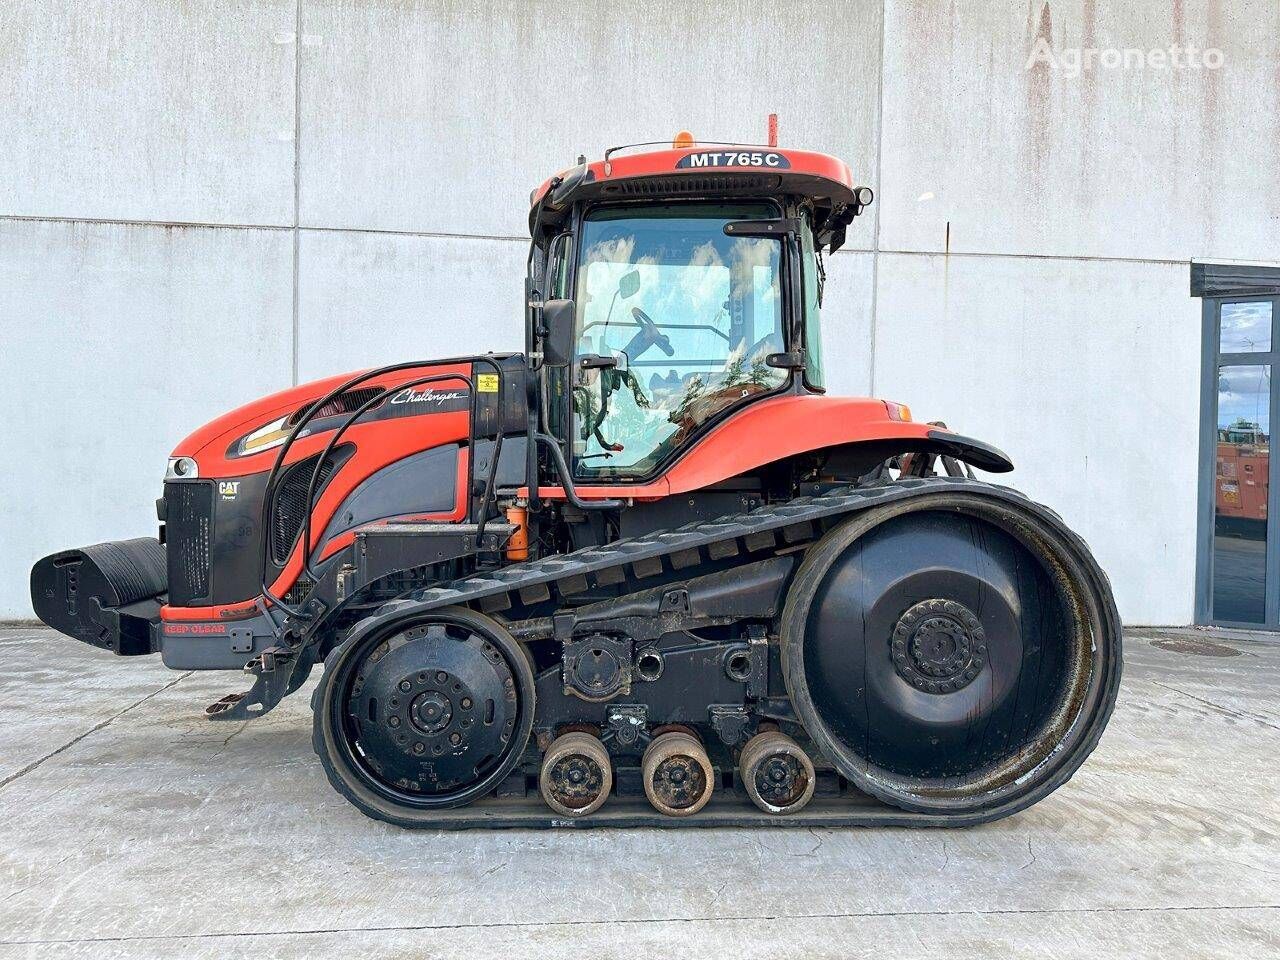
188	528
290	505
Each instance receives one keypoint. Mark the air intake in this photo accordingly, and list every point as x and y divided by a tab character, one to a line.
348	402
289	507
668	186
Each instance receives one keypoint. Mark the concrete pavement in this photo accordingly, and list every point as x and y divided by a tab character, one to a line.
130	826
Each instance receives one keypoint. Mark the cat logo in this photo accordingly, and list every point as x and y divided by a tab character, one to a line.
228	489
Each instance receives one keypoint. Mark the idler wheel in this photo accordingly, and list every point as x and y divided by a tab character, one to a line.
777	773
576	775
423	712
678	779
952	653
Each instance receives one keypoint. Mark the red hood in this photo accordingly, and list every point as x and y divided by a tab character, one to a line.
209	445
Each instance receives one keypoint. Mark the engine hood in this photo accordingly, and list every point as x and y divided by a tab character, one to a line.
246	440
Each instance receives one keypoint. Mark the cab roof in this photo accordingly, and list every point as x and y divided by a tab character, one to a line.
699	169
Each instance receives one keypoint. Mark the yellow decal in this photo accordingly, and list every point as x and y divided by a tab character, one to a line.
487	383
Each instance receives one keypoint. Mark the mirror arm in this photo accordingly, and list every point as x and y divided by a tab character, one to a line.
786	361
777	228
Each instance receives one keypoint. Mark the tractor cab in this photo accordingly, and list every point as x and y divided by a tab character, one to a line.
676	287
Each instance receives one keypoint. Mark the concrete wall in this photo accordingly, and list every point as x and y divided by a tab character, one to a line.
196	208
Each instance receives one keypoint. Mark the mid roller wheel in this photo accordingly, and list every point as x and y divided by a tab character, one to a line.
423	713
776	772
576	775
678	777
952	653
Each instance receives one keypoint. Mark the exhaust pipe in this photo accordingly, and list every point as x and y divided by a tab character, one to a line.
107	595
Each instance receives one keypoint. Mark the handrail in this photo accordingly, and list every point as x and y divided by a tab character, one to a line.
307	551
274	476
566	480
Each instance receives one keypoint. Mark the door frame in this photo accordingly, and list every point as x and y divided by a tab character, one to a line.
1218	284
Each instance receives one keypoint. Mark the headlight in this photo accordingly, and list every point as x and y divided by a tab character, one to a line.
264	438
181	468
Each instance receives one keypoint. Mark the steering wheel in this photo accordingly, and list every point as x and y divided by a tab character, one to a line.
652	336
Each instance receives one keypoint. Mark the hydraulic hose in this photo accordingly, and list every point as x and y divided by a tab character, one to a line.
333	442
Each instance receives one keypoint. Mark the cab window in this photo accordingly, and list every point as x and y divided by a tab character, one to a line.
687	313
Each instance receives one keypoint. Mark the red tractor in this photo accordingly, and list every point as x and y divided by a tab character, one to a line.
645	572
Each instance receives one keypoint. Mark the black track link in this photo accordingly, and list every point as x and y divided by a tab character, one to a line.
739	535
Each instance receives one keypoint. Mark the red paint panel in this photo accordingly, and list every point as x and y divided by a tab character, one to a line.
378	444
662	163
209	445
766	431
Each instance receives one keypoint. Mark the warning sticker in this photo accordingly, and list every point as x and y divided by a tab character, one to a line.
487	383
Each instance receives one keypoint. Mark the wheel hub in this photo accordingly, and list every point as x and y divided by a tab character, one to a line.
433	709
780	779
431	712
576	780
938	646
679	781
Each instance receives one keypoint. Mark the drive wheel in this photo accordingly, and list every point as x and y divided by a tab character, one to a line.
423	713
952	653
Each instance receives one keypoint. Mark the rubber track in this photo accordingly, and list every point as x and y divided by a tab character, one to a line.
796	522
754	532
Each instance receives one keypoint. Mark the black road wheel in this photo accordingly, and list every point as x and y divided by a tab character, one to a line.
952	653
423	714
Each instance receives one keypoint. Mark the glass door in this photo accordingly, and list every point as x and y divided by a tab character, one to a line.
1238	561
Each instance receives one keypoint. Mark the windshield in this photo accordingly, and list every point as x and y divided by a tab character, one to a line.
688	313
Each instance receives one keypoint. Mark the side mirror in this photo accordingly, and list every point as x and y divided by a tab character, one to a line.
629	285
558	317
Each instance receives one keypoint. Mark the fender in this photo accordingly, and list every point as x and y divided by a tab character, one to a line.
781	427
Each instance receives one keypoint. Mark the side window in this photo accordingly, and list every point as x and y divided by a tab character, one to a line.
558	268
557	389
811	269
